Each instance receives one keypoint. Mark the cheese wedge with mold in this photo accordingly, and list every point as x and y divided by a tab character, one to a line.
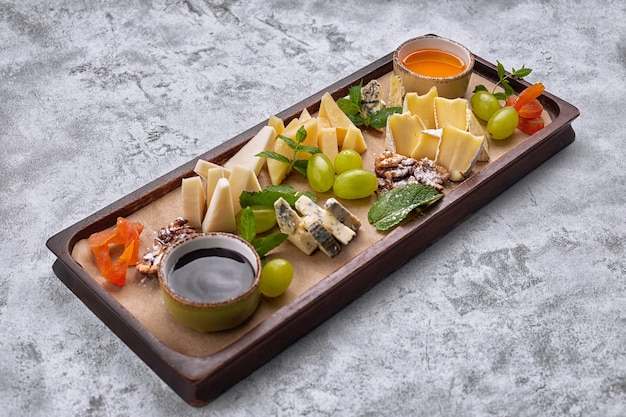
246	156
340	231
422	106
193	198
458	151
289	223
220	215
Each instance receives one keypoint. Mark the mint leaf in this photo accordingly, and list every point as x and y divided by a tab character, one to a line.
265	244
396	205
274	155
378	120
270	194
349	107
247	224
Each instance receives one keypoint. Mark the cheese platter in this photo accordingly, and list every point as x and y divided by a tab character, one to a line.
200	366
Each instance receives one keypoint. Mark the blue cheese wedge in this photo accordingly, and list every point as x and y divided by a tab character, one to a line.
289	222
338	210
324	239
309	209
371	98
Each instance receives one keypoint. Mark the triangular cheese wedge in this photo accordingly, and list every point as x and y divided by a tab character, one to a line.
246	156
354	140
194	201
337	118
220	216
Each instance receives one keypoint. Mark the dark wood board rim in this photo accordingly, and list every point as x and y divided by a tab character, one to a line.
199	380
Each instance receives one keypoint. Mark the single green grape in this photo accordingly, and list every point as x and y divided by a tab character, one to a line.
355	183
484	104
503	123
264	217
276	276
346	160
320	173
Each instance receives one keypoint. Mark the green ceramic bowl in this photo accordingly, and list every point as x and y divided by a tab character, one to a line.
447	86
210	282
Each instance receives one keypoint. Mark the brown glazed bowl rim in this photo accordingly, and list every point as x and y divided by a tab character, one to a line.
209	236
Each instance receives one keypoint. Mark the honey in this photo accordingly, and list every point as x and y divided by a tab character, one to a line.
434	63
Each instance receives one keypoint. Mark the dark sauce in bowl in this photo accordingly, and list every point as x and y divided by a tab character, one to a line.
211	275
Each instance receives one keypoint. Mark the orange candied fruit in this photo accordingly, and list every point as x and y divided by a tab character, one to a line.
126	233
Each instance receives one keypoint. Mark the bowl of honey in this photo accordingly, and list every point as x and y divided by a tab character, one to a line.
210	281
430	60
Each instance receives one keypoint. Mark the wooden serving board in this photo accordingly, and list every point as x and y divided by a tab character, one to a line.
199	367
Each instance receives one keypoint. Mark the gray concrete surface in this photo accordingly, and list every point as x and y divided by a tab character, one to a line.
520	311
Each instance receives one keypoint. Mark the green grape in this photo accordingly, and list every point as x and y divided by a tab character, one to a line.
264	217
348	159
503	123
320	173
484	104
276	276
355	183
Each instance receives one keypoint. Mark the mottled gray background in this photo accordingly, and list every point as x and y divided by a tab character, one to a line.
520	311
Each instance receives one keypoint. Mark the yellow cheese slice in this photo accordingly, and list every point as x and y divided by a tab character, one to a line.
396	92
427	144
458	151
403	131
327	142
354	140
262	141
451	112
220	215
304	115
277	123
277	170
242	179
193	201
422	106
337	118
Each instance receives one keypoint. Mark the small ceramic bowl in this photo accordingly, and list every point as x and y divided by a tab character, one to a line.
210	282
447	86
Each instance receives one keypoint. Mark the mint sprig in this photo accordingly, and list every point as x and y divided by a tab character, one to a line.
504	81
247	230
352	108
294	164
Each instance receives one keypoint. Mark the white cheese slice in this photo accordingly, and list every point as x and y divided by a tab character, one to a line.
262	141
427	144
202	167
193	198
220	215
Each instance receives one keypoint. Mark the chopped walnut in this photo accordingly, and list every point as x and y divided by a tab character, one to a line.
164	238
